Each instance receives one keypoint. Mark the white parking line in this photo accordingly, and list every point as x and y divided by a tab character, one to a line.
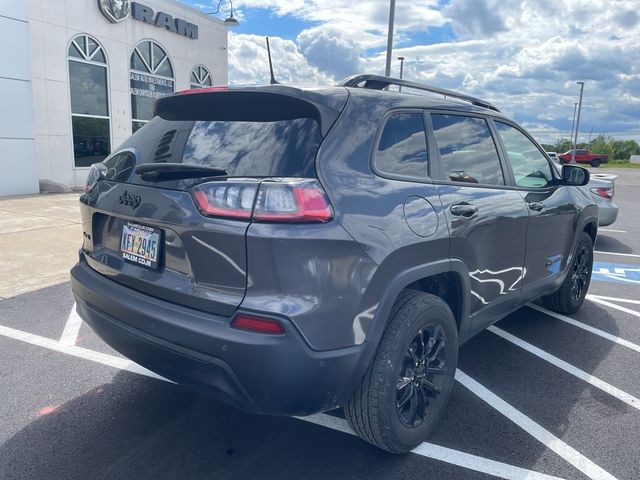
544	436
447	455
103	358
616	253
610	230
72	328
443	454
617	307
614	299
588	328
567	367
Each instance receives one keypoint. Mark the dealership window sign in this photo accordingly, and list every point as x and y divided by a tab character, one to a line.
118	10
148	86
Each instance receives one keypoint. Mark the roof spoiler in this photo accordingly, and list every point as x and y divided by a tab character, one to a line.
378	82
262	104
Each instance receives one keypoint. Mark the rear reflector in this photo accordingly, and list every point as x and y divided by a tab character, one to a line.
604	192
258	325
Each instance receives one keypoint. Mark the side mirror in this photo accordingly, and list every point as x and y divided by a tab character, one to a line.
575	176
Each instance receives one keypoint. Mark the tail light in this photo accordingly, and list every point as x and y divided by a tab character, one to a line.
272	200
258	325
96	173
226	199
604	192
291	200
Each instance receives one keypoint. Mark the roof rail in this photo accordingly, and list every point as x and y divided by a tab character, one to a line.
378	82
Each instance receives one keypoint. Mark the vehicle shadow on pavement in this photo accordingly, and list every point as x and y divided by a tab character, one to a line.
610	244
136	427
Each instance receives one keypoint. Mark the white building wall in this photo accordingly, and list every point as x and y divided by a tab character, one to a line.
17	145
54	23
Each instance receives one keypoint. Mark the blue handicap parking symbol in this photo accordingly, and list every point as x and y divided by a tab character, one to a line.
616	272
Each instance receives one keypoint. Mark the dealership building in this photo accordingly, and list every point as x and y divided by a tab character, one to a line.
77	77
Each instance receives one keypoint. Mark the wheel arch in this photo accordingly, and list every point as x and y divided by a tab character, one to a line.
453	269
448	279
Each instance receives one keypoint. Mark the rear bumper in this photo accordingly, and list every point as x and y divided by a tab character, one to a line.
607	213
269	374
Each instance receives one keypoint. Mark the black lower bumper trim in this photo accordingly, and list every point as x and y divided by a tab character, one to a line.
270	374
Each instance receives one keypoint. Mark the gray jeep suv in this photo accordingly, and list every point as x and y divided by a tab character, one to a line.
294	250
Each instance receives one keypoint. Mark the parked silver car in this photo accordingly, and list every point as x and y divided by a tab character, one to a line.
602	188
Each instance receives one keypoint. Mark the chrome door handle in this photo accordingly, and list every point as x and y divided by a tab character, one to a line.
537	206
463	210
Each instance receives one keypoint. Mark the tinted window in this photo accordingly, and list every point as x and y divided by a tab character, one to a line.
402	149
90	140
285	148
88	89
530	167
89	101
467	151
151	78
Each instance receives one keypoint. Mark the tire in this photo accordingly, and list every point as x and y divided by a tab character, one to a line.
595	163
374	411
567	299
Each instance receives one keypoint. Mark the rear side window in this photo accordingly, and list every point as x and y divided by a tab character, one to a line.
402	149
530	167
467	150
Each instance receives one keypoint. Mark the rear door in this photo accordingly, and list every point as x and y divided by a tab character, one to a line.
487	218
184	239
552	214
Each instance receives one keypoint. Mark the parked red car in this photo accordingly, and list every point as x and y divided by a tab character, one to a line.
584	156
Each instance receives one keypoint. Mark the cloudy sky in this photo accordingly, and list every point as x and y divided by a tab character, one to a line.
523	55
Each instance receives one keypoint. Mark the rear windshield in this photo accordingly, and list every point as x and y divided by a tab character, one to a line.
285	148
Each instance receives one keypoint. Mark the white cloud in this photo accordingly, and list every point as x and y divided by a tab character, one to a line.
523	55
249	63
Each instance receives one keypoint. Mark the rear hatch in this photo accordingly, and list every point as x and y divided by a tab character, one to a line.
167	213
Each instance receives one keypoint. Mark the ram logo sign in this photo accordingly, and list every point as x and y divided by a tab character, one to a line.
115	10
118	10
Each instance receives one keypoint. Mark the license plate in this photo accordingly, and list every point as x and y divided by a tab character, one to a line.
140	244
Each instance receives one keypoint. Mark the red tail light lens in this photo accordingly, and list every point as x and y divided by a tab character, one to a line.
604	192
202	90
276	200
258	325
226	199
292	200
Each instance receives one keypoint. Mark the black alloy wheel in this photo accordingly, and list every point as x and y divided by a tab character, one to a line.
581	272
423	368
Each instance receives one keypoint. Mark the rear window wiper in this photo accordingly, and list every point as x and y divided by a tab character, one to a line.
157	172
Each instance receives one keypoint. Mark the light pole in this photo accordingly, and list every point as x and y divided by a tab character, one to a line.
573	156
230	21
392	14
573	124
401	69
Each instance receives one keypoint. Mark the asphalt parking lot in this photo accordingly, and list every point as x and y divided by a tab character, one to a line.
539	395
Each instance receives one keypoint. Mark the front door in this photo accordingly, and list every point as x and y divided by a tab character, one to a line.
487	220
552	214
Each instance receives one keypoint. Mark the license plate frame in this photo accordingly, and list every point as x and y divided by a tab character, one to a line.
141	245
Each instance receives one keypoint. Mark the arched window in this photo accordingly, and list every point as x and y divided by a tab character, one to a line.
200	77
151	77
89	89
